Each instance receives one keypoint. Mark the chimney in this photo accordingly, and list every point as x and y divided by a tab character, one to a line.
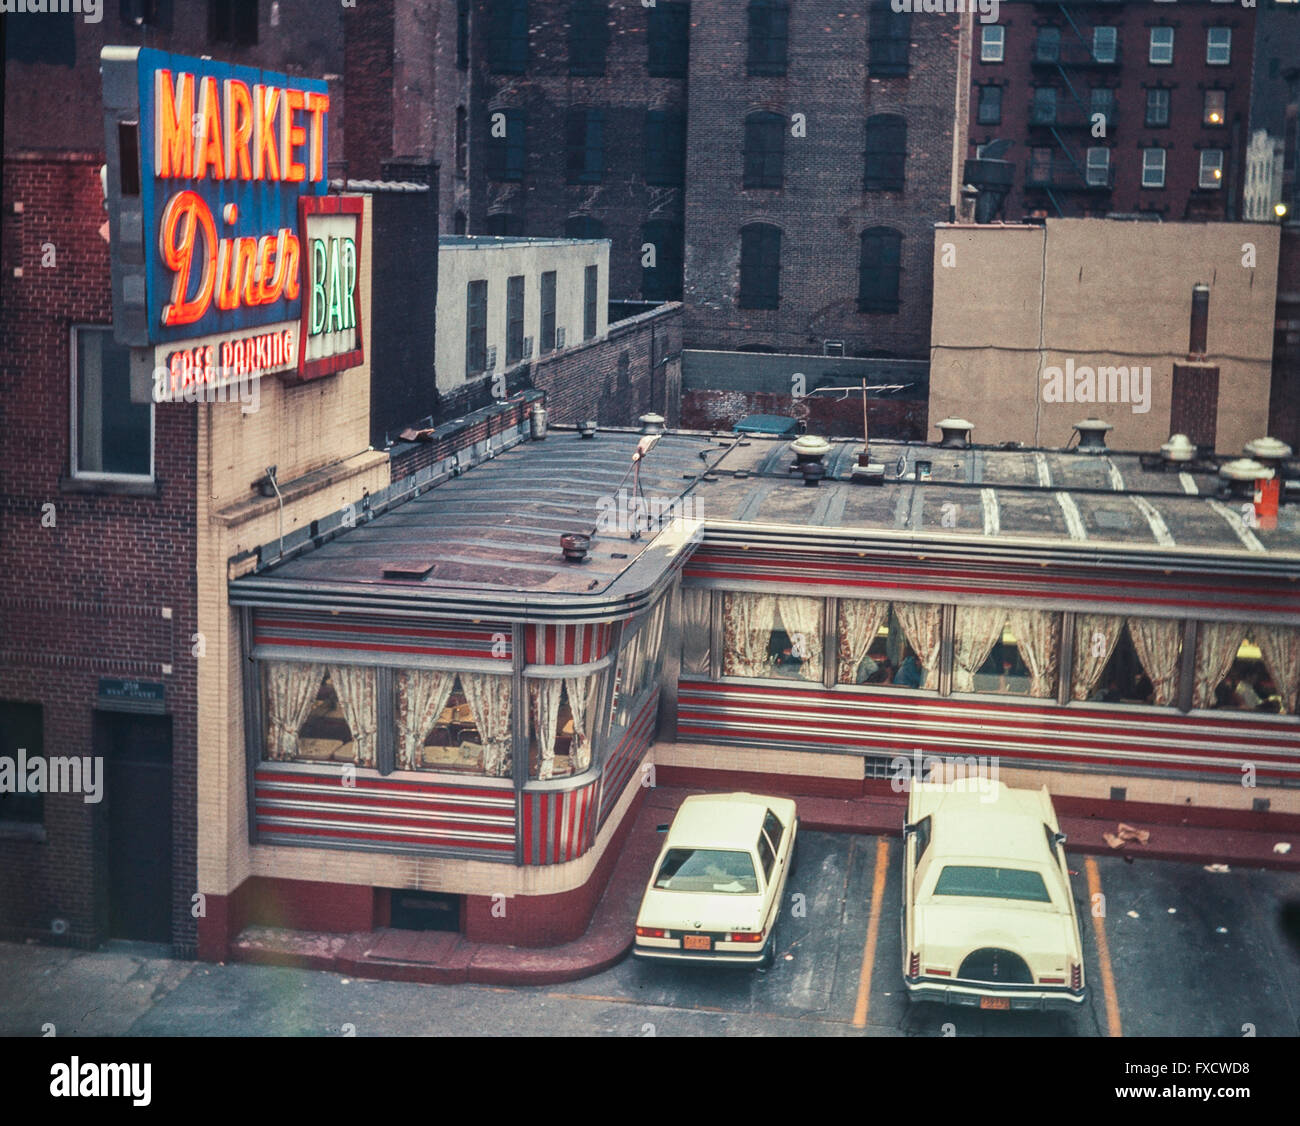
956	433
1092	435
1196	343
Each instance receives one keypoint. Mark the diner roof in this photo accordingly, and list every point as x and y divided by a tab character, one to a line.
492	532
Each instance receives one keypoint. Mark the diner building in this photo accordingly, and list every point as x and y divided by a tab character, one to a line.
456	706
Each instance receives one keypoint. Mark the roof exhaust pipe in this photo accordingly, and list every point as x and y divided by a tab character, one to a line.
809	452
1092	435
956	433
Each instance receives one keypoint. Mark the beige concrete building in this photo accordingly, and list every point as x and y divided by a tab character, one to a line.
1036	327
503	302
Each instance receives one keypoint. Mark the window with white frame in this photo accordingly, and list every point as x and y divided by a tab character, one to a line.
112	437
1105	41
1211	175
1161	52
992	43
1098	166
1153	168
1218	46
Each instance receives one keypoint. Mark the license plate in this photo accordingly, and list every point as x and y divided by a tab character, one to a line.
995	1002
697	942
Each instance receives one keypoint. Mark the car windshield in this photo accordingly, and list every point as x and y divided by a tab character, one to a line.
707	869
992	883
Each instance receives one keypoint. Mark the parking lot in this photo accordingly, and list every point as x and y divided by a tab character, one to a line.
1190	953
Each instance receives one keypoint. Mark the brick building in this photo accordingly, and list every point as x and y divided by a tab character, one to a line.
1117	107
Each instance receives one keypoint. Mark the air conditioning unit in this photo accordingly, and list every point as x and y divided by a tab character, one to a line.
491	364
832	347
559	338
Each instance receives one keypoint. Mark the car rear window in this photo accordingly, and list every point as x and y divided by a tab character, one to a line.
992	883
708	869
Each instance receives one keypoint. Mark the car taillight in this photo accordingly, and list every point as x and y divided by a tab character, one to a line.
745	936
914	966
1076	976
650	932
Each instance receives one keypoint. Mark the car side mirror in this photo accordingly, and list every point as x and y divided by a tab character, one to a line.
908	829
1059	838
661	828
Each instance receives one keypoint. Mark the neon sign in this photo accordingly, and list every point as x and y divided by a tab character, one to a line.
331	311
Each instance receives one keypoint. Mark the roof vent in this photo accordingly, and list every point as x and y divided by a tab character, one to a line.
1242	475
956	433
809	450
1092	435
651	423
587	429
575	546
1268	451
1179	448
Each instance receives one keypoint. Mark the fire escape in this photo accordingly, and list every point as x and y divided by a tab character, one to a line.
1068	140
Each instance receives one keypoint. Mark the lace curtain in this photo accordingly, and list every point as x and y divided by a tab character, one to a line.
1280	648
1216	648
1159	645
921	622
544	698
1095	638
1038	633
355	687
802	619
291	689
421	696
488	697
747	631
976	630
859	623
584	694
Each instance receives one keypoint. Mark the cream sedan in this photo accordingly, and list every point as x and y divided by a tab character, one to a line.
988	919
715	892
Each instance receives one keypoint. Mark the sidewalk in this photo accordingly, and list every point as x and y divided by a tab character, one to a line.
444	958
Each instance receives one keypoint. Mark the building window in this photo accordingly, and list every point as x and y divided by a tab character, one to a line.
769	23
764	150
771	636
1040	165
1218	46
588	36
562	713
111	436
146	13
476	328
546	342
505	151
461	145
878	643
886	152
22	740
879	270
1102	101
590	284
1097	169
890	37
989	111
1153	168
320	714
504	224
661	261
1126	660
508	37
993	42
1105	44
665	148
1211	175
583	226
514	319
1247	667
585	146
460	223
1157	108
470	729
1042	110
1047	46
1161	51
760	266
233	22
990	105
669	39
462	34
1216	107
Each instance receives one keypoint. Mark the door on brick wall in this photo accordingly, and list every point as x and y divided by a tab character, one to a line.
137	755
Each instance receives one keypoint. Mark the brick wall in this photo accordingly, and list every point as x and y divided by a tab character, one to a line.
1284	405
84	598
895	419
368	36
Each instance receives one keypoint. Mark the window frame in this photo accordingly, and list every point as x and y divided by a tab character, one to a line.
988	45
889	40
74	469
546	326
762	57
516	304
760	249
1153	122
1088	166
588	38
590	302
665	148
760	155
668	39
508	49
1225	46
664	234
1205	108
507	156
232	29
1163	160
1114	43
1216	184
870	301
1039	103
476	329
995	117
885	168
584	145
33	819
1152	60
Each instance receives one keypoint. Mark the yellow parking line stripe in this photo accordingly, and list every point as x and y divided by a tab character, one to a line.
1113	1027
873	933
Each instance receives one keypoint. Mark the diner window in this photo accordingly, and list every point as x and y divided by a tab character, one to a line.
319	713
1157	108
505	149
1211	171
771	636
562	713
760	267
697	619
1121	660
769	23
111	436
476	327
590	280
668	38
546	342
1252	668
990	105
1218	46
1000	651
585	146
1161	49
21	729
639	664
514	319
888	643
1153	168
880	259
665	148
890	39
508	37
453	722
588	36
764	154
1105	44
1215	110
886	152
1047	45
993	41
1042	110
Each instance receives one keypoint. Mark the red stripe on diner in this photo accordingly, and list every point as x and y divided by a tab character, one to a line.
446	633
447	842
399	804
290	809
543	810
525	826
573	799
264	775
